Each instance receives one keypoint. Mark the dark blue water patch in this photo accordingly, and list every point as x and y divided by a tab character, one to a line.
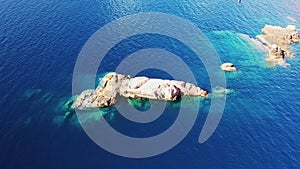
155	73
129	128
47	36
139	42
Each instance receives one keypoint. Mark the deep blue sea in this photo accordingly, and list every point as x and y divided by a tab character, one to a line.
39	45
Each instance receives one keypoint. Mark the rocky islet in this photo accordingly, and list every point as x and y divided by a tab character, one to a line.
278	40
114	84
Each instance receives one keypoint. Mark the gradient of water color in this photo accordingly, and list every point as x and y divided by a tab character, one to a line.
39	45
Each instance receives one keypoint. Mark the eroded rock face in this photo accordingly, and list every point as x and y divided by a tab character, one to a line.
114	84
276	53
104	95
94	98
149	88
278	39
159	89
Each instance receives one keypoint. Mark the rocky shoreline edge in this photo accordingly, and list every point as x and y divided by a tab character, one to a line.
278	40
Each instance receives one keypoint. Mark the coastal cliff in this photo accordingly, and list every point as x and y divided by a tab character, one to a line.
277	39
114	84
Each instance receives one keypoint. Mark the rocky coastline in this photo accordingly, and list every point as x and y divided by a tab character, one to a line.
278	40
114	84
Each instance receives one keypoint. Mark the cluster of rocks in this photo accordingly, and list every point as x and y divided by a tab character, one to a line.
277	40
114	84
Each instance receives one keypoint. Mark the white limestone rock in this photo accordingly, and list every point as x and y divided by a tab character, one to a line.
228	67
114	84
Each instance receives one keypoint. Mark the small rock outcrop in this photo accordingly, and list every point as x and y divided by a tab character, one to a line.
277	40
114	84
276	53
228	67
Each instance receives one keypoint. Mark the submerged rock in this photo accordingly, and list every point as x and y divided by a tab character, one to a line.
142	104
218	92
30	93
228	67
221	90
277	40
114	84
67	115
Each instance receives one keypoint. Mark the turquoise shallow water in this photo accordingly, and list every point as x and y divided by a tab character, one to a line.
39	45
